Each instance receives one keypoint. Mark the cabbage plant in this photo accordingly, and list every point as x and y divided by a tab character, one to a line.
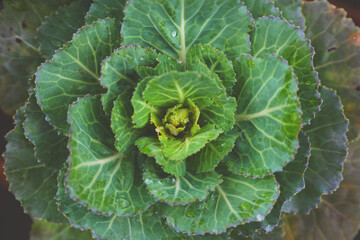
178	119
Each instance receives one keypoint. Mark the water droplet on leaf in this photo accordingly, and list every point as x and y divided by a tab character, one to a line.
173	33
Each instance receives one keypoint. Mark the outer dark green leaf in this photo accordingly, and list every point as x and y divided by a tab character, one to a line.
336	40
276	234
207	236
175	149
118	71
291	11
121	124
152	147
268	114
59	27
178	190
338	215
216	61
291	181
327	134
74	70
33	184
213	152
275	36
42	230
104	180
106	8
19	54
237	200
173	88
173	27
50	148
260	8
144	226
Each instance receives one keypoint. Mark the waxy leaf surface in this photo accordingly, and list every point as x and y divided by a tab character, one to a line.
336	40
50	147
144	226
208	157
33	184
106	8
173	88
327	134
98	177
236	200
151	146
178	190
291	181
340	210
268	115
276	36
59	27
75	70
173	27
176	149
118	71
121	124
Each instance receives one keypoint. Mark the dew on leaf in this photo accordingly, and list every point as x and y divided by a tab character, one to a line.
259	217
173	33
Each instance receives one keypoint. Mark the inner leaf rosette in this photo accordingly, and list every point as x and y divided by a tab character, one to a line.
176	118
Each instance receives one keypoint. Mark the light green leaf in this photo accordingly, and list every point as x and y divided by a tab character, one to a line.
118	71
42	230
74	70
173	27
144	226
106	8
142	109
121	124
340	210
167	64
50	148
216	61
152	147
59	27
178	190
237	200
98	177
291	11
275	36
327	134
268	114
220	112
33	184
19	53
173	88
175	149
208	157
260	8
336	40
291	181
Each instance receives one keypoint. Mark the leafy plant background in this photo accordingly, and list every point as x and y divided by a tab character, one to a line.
336	208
